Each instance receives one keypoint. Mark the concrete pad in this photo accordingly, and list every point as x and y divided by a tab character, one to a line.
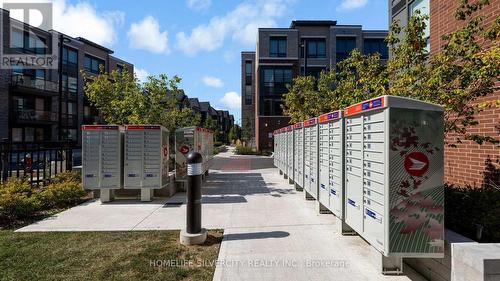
270	231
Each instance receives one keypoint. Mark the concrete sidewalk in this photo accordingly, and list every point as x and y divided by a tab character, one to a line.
270	231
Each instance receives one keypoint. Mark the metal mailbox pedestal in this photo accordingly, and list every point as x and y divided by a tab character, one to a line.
394	178
331	163
311	170
298	147
289	153
192	139
102	166
146	159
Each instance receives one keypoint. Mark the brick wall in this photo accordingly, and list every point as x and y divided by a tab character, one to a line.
468	163
267	125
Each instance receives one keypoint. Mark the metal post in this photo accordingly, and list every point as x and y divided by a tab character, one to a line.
193	234
194	172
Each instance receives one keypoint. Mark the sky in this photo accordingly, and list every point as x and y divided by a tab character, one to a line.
199	40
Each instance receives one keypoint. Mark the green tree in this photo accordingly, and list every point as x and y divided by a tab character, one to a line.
116	95
302	94
466	68
246	132
361	76
210	124
234	133
122	100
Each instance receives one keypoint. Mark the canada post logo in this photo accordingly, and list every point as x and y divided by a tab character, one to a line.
416	164
28	42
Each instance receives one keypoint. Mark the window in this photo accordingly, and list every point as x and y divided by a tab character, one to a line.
91	64
248	73
344	47
70	56
40	74
39	104
36	44
70	84
72	108
17	39
29	42
423	7
273	86
70	134
39	134
17	134
376	45
29	134
316	48
277	47
19	103
248	95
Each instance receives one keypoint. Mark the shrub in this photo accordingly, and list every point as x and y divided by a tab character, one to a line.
469	209
244	150
266	152
64	190
70	176
18	199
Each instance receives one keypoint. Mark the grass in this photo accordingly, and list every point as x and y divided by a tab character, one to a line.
105	256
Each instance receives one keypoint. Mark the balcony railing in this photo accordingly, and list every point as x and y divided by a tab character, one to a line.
20	80
30	115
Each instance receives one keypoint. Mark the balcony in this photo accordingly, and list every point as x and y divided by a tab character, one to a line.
31	115
38	85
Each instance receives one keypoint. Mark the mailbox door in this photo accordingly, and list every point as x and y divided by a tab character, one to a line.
134	154
336	168
299	157
307	159
314	161
374	154
152	159
91	151
324	164
354	173
111	145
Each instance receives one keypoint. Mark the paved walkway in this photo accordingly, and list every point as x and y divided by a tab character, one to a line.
270	231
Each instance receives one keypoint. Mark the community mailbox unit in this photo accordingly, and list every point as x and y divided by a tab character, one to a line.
280	149
146	159
331	163
394	177
289	153
277	149
192	139
298	147
275	152
102	166
311	158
